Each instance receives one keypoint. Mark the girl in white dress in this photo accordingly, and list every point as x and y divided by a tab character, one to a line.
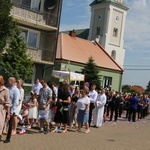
32	109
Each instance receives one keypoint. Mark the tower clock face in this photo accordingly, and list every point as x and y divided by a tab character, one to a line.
117	18
99	17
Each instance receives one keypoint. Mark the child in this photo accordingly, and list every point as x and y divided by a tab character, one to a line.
22	118
32	109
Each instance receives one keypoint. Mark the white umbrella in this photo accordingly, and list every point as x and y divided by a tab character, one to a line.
66	75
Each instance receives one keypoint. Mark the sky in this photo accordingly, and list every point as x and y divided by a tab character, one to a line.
76	15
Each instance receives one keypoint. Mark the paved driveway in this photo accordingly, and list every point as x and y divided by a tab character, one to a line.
111	136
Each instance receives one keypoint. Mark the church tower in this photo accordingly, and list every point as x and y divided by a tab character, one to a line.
107	26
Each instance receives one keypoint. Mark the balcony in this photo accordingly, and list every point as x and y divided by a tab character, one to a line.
41	20
41	56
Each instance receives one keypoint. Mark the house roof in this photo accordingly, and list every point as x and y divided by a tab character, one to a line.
137	88
82	33
79	50
113	1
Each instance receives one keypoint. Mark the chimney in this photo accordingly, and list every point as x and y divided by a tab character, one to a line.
72	33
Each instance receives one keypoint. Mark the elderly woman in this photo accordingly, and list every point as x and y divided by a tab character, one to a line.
83	104
4	105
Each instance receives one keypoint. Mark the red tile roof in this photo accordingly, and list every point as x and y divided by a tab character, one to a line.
137	88
79	50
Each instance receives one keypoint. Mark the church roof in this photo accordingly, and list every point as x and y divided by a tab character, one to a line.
113	1
78	50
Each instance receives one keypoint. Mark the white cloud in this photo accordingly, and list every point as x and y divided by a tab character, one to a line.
137	26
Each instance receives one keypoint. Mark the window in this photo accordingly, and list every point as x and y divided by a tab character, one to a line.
24	35
115	32
119	1
36	5
98	29
32	4
113	54
26	3
107	82
31	37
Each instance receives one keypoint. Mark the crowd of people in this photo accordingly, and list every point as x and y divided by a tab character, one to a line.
56	108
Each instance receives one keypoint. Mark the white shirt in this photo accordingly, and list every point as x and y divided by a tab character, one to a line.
36	88
93	96
101	100
82	102
21	94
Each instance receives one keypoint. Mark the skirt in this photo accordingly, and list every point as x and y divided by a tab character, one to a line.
33	112
62	116
82	116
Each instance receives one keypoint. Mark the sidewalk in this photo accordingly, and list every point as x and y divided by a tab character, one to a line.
122	135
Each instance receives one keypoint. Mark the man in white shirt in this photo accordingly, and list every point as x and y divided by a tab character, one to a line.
36	87
14	97
93	96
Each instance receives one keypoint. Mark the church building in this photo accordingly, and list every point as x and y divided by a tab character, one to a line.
107	26
104	41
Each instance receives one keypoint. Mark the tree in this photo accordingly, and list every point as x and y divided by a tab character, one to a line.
92	73
128	89
148	87
6	23
17	63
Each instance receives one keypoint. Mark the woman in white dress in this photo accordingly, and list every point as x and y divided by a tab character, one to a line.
32	109
19	84
20	87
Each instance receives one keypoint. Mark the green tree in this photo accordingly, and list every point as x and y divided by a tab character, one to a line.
92	73
6	23
148	87
17	63
127	89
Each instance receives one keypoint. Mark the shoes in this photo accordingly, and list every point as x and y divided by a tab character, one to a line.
29	127
5	133
64	131
54	131
46	132
22	132
41	130
59	129
70	127
78	131
7	141
87	131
